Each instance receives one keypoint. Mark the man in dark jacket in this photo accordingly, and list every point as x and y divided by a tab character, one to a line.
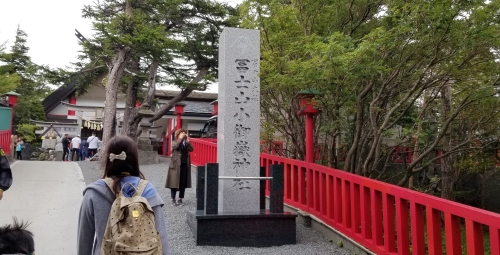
65	147
5	173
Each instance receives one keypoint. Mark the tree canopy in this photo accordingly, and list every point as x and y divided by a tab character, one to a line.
422	74
26	78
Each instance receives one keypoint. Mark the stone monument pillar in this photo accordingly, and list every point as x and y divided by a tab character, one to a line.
238	129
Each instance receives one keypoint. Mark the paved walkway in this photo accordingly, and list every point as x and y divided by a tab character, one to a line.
47	194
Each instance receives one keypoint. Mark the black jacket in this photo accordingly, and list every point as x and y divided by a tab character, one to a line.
5	172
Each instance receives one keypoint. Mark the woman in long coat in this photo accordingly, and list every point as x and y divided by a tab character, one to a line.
179	173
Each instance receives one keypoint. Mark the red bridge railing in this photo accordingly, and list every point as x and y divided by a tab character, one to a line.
205	151
384	218
5	140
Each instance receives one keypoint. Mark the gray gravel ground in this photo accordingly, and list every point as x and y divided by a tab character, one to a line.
181	239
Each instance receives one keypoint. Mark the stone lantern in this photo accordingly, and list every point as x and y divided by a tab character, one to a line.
147	154
308	108
12	98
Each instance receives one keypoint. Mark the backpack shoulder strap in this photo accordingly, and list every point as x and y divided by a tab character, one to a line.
109	182
141	186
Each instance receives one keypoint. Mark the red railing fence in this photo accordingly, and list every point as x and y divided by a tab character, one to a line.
5	137
204	151
384	218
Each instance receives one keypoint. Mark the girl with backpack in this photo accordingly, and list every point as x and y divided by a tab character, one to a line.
122	212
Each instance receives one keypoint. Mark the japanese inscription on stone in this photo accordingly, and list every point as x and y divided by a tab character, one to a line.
238	128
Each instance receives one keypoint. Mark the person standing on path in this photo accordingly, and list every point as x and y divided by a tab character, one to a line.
5	173
19	148
75	147
84	149
93	144
13	143
122	165
65	144
179	174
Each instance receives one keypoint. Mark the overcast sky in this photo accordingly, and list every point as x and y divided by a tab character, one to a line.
50	26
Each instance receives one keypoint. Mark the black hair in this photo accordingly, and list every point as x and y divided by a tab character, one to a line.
118	169
16	239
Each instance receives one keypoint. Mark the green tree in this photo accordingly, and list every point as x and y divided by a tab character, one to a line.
31	80
374	62
27	131
145	43
8	81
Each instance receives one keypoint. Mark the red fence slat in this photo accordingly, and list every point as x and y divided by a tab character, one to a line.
5	137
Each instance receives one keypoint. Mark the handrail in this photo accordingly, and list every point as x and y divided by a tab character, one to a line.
380	216
384	218
204	151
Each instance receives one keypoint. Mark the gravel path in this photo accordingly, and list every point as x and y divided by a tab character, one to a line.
180	237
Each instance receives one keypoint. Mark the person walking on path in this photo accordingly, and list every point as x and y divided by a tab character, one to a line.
122	165
19	148
179	175
75	148
84	149
5	173
93	144
65	144
13	143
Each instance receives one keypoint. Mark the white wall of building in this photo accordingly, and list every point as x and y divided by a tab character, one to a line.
60	109
96	96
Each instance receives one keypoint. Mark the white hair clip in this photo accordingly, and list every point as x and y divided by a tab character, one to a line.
121	156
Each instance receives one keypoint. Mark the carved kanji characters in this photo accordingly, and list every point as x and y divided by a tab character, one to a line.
241	131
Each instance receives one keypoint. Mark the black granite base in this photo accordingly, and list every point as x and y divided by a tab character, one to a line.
262	229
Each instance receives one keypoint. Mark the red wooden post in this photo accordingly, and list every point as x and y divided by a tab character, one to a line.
179	110
12	101
355	208
309	138
377	234
346	203
169	137
494	241
72	100
417	228
307	108
453	235
366	230
434	238
216	107
389	228
474	233
402	226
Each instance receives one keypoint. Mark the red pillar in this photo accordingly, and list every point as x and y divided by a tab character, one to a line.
179	110
169	138
178	121
310	138
307	108
216	107
72	100
12	102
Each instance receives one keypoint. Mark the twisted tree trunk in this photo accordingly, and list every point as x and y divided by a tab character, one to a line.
130	121
448	174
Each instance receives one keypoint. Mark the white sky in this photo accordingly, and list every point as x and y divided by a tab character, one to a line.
50	26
